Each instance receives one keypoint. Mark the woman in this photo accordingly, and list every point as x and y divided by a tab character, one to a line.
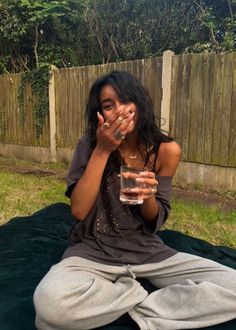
112	244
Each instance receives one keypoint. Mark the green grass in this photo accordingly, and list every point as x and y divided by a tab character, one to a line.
22	195
206	222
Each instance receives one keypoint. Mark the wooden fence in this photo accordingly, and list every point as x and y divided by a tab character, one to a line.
72	86
203	107
202	111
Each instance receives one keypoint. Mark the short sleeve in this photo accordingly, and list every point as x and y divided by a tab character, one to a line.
78	164
164	191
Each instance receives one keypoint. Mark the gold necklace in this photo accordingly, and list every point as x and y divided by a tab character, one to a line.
130	159
134	156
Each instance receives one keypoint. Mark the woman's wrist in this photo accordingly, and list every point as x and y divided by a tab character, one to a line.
100	152
149	209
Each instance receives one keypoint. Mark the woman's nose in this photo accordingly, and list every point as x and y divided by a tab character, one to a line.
120	104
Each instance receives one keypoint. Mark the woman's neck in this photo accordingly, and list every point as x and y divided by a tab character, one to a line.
132	152
131	142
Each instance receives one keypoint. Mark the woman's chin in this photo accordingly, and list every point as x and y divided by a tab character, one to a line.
131	132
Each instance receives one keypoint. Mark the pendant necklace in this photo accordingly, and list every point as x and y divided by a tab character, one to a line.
132	156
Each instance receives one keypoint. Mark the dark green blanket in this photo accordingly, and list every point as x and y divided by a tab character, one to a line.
30	245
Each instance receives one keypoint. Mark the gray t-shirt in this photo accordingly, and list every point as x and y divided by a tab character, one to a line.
114	233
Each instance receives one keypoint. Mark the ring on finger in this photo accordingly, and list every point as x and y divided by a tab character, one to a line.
106	124
153	190
121	119
118	135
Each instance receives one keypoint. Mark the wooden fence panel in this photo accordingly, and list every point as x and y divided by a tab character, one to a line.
227	84
232	129
202	105
12	129
202	115
72	86
216	129
209	108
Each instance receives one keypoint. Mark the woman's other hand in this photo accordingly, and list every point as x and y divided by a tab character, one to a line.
148	183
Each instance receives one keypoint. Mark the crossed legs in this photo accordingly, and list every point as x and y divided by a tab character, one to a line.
78	294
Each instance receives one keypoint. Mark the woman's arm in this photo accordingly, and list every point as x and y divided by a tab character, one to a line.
85	192
86	189
167	163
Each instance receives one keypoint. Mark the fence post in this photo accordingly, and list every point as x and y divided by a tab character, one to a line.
52	114
166	90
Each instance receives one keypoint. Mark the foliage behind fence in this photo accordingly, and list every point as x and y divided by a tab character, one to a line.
15	128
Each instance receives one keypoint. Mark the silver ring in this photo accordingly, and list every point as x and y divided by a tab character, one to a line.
118	135
106	124
153	190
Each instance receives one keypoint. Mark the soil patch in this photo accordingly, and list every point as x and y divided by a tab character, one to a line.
225	202
11	164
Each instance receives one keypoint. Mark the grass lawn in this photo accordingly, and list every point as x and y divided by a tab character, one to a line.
22	195
205	222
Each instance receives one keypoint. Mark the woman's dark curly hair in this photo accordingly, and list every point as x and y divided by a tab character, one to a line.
128	89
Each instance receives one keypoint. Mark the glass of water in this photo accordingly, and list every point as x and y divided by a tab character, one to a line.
130	188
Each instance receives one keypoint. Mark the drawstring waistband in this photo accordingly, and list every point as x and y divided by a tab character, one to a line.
130	271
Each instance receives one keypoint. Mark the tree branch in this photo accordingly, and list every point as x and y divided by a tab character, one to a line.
230	10
36	45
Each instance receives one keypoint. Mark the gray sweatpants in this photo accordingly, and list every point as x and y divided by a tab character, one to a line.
79	294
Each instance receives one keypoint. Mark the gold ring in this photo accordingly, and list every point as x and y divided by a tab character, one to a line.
106	124
118	135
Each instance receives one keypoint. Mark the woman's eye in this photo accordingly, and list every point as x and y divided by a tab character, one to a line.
107	107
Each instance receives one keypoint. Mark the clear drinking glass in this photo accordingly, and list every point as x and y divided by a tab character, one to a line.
129	187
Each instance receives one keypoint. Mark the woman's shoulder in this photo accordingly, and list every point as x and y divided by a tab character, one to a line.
168	158
169	149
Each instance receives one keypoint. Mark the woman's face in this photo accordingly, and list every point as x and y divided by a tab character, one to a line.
110	102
